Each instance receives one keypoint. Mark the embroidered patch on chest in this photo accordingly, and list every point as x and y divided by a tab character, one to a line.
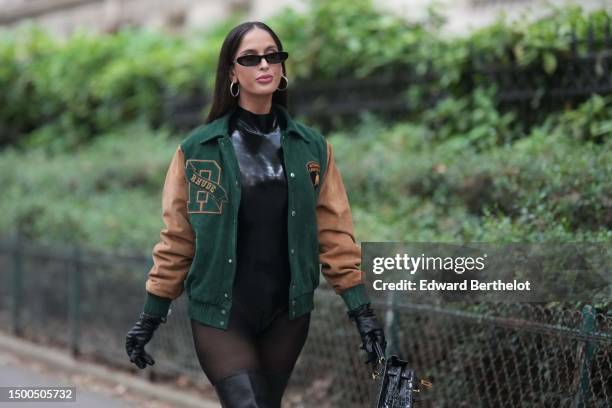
314	170
206	195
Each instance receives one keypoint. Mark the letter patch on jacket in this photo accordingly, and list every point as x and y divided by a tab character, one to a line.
314	170
206	195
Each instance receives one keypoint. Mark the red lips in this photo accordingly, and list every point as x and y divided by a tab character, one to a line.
264	77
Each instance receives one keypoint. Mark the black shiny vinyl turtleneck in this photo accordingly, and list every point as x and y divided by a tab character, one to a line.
262	272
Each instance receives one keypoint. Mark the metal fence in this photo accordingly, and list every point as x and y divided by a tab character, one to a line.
582	71
484	355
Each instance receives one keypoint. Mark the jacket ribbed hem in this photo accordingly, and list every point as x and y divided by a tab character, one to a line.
157	305
218	315
301	305
355	296
208	313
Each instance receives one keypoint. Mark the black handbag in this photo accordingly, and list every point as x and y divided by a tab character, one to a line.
394	384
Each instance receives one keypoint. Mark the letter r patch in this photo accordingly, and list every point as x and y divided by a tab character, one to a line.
206	195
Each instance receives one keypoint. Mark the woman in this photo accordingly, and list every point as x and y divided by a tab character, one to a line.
252	203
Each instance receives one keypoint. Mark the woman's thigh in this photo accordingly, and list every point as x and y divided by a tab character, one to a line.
247	344
222	353
280	343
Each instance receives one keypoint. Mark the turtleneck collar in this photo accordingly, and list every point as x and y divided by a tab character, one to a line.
262	123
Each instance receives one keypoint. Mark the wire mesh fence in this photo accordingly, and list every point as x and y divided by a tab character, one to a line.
478	355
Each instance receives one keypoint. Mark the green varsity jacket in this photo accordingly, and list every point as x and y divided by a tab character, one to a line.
201	196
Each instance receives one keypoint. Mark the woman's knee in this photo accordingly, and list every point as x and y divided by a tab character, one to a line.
245	388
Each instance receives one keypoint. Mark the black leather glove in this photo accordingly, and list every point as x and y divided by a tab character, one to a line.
369	329
139	336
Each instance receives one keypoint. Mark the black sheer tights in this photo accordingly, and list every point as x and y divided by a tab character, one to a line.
254	341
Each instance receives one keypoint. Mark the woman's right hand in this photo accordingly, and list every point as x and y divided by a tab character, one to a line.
139	336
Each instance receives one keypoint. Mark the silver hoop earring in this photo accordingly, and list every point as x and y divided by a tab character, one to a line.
237	92
287	83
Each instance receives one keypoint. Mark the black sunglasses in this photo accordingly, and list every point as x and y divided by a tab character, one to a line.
272	58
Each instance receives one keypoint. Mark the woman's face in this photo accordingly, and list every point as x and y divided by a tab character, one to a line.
258	42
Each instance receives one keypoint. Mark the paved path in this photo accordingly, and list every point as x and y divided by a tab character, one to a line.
23	363
18	372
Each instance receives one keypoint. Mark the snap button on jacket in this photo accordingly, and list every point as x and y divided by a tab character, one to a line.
200	201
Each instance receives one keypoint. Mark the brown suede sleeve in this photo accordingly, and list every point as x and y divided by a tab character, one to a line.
339	255
173	254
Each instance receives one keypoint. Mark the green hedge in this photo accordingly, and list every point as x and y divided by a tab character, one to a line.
461	171
59	94
547	185
106	196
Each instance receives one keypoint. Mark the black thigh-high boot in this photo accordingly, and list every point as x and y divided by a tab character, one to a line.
244	389
277	382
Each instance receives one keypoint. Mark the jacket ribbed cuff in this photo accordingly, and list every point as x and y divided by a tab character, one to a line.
157	305
355	296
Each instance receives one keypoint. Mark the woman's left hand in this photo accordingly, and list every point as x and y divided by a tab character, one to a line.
369	329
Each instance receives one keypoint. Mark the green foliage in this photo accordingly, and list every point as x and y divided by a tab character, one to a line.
88	85
404	185
544	186
460	171
473	118
590	122
348	37
539	42
107	195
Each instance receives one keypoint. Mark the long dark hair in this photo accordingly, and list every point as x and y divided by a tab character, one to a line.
222	99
